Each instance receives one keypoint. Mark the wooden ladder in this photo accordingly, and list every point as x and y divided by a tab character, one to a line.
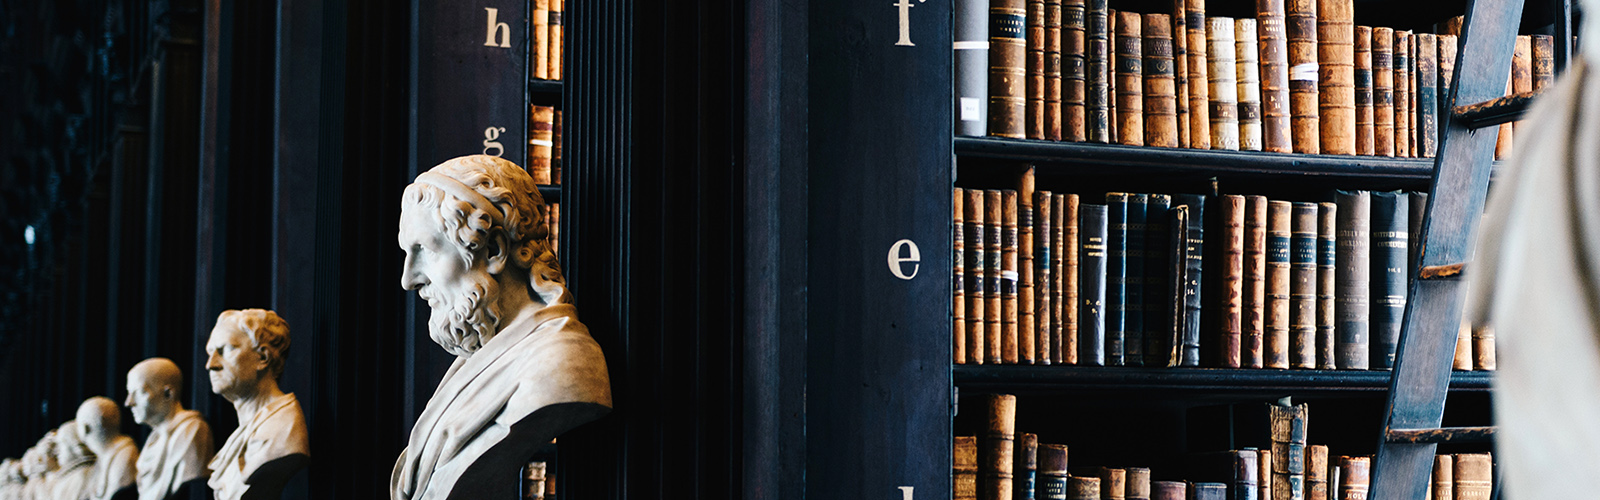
1462	166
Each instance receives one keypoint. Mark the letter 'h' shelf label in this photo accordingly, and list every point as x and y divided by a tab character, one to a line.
471	80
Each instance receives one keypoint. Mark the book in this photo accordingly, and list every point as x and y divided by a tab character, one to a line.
1483	354
1083	488
554	22
1113	484
1130	78
1223	83
1419	210
996	449
1502	144
1264	471
1427	95
1248	73
1194	12
1133	283
1097	39
1303	286
1027	331
1176	305
1052	70
1194	258
1288	450
1402	93
1111	76
1443	477
1383	92
1412	125
1180	70
540	49
1208	491
1388	296
977	279
1336	110
1007	68
1452	26
541	138
1044	279
1231	214
994	272
965	468
555	149
1521	73
1301	27
1279	276
1052	472
1363	88
1074	71
1033	84
1447	72
1327	269
1474	476
1353	261
971	39
1254	303
1169	490
1025	467
1544	61
1354	477
1160	92
1116	278
1247	475
1157	279
1138	485
1463	359
958	294
1316	472
1009	312
1064	337
1275	116
1093	228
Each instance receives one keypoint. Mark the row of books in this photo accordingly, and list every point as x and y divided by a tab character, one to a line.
538	483
1301	79
1047	278
544	144
544	51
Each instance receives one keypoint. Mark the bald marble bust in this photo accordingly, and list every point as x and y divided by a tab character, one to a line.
245	356
474	231
100	424
180	445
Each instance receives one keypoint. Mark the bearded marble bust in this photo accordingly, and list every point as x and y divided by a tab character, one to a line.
474	231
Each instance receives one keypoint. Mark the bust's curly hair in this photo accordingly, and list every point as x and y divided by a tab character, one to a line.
524	224
268	331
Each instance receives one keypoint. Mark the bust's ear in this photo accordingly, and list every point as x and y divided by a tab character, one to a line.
498	252
261	359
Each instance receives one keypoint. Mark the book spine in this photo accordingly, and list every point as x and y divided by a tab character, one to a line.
1388	295
1209	491
1044	279
1301	20
1288	451
1052	70
1169	490
1254	302
1177	299
1336	76
993	241
1317	472
1027	331
555	153
1355	477
1067	257
1248	71
1447	72
1427	95
1113	484
541	138
977	279
557	8
1303	286
1194	243
1463	360
1116	278
1098	45
1452	26
1232	215
1443	477
1134	283
1026	467
1138	483
1074	71
1483	353
1327	269
1363	88
1265	469
1474	476
1402	93
1194	12
1419	211
1033	125
971	40
1383	140
1224	83
1521	72
1413	125
1544	62
1157	276
541	40
1275	115
1160	94
1502	144
1053	476
1130	79
958	298
1092	285
1083	488
1111	76
997	449
1353	264
1246	474
1278	278
965	469
1008	277
1008	20
1180	70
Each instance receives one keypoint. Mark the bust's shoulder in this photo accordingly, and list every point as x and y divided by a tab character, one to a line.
558	362
284	427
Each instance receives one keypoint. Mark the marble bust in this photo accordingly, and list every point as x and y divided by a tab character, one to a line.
39	466
476	246
76	462
100	425
12	480
245	356
180	446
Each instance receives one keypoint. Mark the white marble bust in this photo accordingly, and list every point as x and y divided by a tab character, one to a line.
475	235
76	462
12	480
100	424
39	466
180	446
245	356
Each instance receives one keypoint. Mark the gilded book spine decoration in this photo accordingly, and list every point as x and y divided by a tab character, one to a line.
977	276
1033	123
1130	79
1199	93
1074	67
1008	21
1098	101
1224	86
1160	92
1301	21
1278	280
1092	285
1335	67
1383	125
1246	62
1363	89
958	299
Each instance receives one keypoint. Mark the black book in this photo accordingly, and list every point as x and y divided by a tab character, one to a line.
1116	276
1176	303
1091	285
1157	256
1133	288
1353	278
1237	469
1194	245
1419	210
972	66
1390	225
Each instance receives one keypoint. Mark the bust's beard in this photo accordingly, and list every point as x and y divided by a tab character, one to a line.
464	322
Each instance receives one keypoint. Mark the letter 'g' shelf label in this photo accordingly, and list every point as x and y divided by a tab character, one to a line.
902	254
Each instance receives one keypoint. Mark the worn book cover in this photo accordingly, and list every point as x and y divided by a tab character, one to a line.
1224	85
1317	472
1363	81
1157	278
540	50
965	468
1301	20
1254	302
1177	303
1113	484
1025	467
1402	93
1383	91
1193	291
1336	76
994	295
1544	62
554	21
1083	488
977	277
1303	286
1444	477
1483	354
1052	70
1355	476
1279	276
541	141
1044	278
1160	92
1275	115
1130	78
1419	211
1248	73
1180	70
1027	331
1447	71
1008	53
1199	81
1033	124
1067	256
1474	476
1288	451
1427	95
1133	293
1169	490
958	298
1052	472
1097	36
1116	278
1231	214
1327	268
1390	214
1138	486
1009	311
996	458
1521	73
1092	257
1353	268
1074	71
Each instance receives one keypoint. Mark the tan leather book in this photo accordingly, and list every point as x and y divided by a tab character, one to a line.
557	9
1033	124
1027	331
1254	303
996	459
1363	81
1544	62
1483	347
1303	286
1402	93
1232	217
1336	76
1083	488
1248	72
1180	70
1444	474
555	149
1224	84
1074	67
965	469
1065	337
958	294
1426	99
1502	144
1138	483
1053	476
1052	70
1463	359
1383	140
1130	78
1044	278
1264	481
1008	53
1316	472
1521	72
1447	72
1453	25
1160	91
1288	450
1327	294
1355	477
1009	312
1111	77
1275	116
1301	20
993	221
541	140
977	280
1024	475
1113	484
1474	476
1278	278
541	40
1194	12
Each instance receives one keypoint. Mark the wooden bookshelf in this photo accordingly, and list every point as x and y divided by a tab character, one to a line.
1094	158
544	87
550	192
1253	384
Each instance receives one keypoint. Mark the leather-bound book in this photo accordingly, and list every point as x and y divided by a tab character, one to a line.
965	469
1052	70
1303	286
977	279
1352	261
1208	491
1447	72
1221	72
1336	76
1390	213
1355	476
1452	26
1180	69
1444	474
1134	280
557	9
1265	473
971	23
1074	71
1008	52
541	140
1474	476
1157	278
1009	312
1194	12
1483	354
1052	472
1116	278
1169	490
1093	229
541	40
1419	210
1317	472
1248	71
1231	214
994	284
1463	359
1301	20
555	149
1275	116
1033	125
1027	331
1402	93
1502	144
1288	451
1097	39
1246	475
1177	300
1160	92
1067	257
1130	78
1111	77
1194	262
1363	81
1044	278
1254	302
1327	269
1279	275
1427	95
996	448
1544	62
1414	122
1383	91
1027	465
1083	488
958	298
1521	72
1138	483
1113	484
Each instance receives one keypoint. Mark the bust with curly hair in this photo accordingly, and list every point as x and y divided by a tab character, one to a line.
475	235
244	358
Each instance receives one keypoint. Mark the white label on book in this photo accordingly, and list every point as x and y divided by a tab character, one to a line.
1307	71
978	45
542	142
971	109
897	263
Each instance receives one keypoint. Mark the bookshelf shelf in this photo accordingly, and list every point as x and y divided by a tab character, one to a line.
546	87
550	192
1090	158
1140	382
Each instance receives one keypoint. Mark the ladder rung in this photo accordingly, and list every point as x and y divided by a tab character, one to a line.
1442	435
1494	111
1437	272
